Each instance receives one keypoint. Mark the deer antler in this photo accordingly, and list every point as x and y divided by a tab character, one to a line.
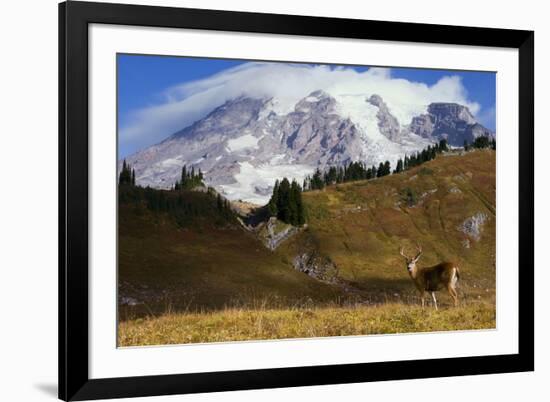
401	252
419	248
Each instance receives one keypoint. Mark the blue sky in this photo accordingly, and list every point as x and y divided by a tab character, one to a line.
146	84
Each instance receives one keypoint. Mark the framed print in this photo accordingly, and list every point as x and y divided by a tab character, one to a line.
259	201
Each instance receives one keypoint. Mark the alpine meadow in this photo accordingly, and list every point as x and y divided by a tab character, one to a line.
267	200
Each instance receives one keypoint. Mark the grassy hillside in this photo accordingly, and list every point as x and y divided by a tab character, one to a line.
201	262
361	225
202	276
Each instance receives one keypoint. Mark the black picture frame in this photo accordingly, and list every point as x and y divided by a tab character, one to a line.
74	18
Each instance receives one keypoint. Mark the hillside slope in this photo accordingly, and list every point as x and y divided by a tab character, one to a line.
446	205
203	262
348	252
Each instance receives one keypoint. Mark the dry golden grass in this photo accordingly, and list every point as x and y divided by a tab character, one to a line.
236	324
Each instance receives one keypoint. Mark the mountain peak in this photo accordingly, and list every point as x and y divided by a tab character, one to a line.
318	102
243	145
451	110
319	94
451	121
232	115
376	100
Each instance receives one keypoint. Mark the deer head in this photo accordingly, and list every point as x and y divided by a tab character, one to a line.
411	262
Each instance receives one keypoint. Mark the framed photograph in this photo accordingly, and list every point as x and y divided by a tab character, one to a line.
258	201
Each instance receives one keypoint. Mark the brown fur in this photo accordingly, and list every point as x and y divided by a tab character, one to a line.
434	278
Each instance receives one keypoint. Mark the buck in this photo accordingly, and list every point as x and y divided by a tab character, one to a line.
444	275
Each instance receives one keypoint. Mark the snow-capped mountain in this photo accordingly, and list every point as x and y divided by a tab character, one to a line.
245	144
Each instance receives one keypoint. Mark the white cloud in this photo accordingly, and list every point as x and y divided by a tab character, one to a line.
288	83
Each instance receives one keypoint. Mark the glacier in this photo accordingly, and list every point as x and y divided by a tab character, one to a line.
245	144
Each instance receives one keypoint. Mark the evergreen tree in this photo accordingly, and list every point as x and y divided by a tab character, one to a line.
443	145
380	170
189	179
286	202
317	182
374	172
133	177
273	201
481	142
219	202
297	205
183	180
466	147
369	173
424	155
387	168
283	201
125	176
340	176
399	166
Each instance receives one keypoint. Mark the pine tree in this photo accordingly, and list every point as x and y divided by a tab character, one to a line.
219	202
133	177
317	182
283	201
481	142
399	166
387	168
443	145
380	170
374	172
297	204
274	200
125	176
183	180
286	202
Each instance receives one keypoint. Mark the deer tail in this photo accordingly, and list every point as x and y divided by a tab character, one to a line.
457	273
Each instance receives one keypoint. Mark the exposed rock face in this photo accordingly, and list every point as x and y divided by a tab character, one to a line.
473	226
244	136
273	237
318	267
387	123
451	121
245	144
231	117
315	135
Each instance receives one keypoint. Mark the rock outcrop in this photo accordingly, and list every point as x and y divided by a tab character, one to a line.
473	226
387	123
450	121
316	266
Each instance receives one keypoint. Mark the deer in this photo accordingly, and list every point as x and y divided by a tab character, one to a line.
444	275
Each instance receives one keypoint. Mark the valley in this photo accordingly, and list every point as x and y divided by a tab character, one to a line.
207	275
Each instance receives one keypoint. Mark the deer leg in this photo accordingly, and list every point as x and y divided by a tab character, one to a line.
422	299
454	295
435	301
